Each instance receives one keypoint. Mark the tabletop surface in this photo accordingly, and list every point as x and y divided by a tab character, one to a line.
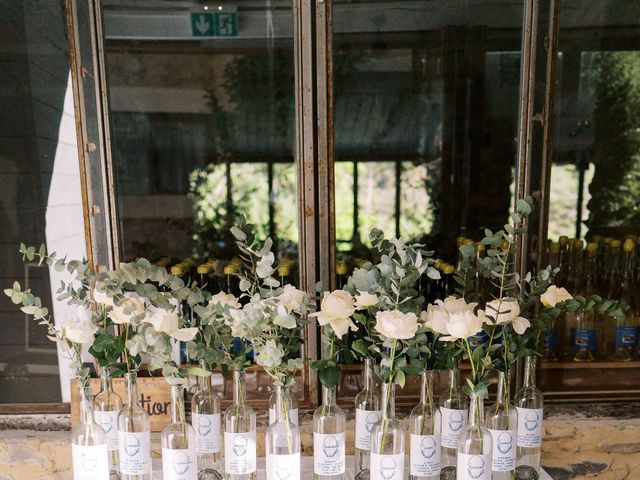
306	469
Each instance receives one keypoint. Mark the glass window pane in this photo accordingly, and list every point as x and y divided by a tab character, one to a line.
40	196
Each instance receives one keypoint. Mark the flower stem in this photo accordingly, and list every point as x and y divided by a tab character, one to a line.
385	416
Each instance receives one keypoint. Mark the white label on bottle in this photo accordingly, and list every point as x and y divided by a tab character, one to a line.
179	464
504	450
207	429
529	427
473	467
283	467
240	452
328	454
135	453
387	467
365	420
293	416
108	420
90	463
425	455
453	424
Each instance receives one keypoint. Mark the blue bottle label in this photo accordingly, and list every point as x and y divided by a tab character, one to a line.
477	340
584	338
626	337
550	339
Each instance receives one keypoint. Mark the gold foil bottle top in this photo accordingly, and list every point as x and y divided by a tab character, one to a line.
341	268
480	247
592	248
615	243
577	244
283	270
563	240
177	270
460	240
203	269
554	247
629	245
467	241
438	264
448	269
230	269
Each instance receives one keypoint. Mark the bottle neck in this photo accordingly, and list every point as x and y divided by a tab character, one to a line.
86	405
454	381
131	379
282	404
367	374
328	396
105	380
530	364
503	388
476	410
426	390
388	400
204	382
239	387
177	404
628	267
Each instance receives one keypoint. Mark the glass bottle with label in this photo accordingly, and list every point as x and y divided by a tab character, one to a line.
107	405
529	403
475	446
426	427
282	442
367	415
239	434
568	320
550	340
89	443
134	435
205	418
178	441
329	426
292	402
502	422
387	441
625	334
585	327
454	410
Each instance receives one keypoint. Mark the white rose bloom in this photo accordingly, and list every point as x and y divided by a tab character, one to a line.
78	331
463	325
394	324
520	325
165	321
554	295
223	299
365	300
102	298
131	306
436	318
456	305
292	298
502	311
336	309
269	355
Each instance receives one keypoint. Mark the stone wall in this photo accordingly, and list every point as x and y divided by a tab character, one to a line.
579	443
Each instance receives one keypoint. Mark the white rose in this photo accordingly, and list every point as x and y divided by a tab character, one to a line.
394	324
456	305
554	295
463	325
365	300
269	355
165	321
78	331
336	309
102	298
292	298
436	318
131	306
502	311
223	299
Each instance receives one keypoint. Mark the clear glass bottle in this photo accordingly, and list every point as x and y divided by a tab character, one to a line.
454	410
329	426
586	329
529	404
134	435
474	449
89	443
205	418
502	421
426	428
178	441
292	402
387	441
282	442
107	405
239	434
367	415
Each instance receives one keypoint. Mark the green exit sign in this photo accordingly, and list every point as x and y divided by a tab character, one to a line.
214	24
